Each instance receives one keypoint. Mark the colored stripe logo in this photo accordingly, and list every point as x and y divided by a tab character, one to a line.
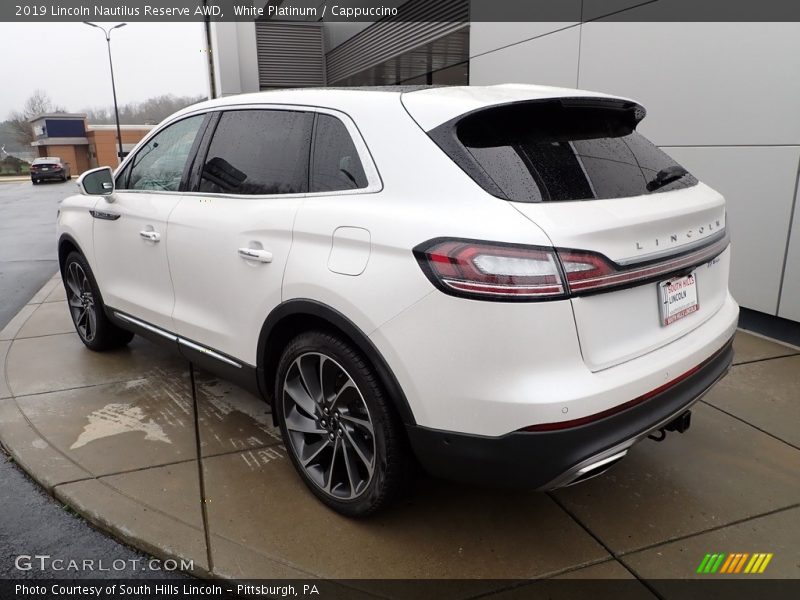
740	562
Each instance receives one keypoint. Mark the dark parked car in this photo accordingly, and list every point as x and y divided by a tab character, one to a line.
49	167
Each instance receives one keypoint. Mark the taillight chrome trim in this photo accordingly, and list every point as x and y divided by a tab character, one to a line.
668	253
631	274
568	283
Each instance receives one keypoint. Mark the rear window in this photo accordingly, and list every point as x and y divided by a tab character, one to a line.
552	151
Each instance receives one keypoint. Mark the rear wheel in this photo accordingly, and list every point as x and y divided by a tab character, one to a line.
95	329
340	429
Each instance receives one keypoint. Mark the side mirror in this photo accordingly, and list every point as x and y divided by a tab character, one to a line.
97	182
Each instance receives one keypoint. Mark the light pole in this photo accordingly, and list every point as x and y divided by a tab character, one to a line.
107	33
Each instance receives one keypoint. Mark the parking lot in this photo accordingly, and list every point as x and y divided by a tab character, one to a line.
27	231
197	472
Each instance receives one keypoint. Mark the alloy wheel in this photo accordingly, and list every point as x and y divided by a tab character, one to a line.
329	426
81	301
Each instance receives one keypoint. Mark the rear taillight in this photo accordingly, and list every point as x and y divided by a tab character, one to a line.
499	271
491	270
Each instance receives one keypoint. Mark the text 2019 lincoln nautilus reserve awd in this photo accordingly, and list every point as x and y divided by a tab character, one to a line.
506	285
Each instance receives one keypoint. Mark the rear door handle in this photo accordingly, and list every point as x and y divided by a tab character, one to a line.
253	254
150	236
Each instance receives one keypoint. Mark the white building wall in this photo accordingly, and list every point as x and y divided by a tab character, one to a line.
235	57
722	98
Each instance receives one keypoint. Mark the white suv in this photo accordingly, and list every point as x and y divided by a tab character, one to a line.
505	284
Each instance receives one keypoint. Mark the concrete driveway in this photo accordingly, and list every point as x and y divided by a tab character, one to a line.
198	472
31	522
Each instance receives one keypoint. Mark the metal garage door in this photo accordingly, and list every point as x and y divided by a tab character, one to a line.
384	40
290	54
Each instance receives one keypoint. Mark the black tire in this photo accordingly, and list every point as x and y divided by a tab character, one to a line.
34	181
86	308
353	489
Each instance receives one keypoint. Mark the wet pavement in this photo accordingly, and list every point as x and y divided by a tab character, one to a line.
199	473
27	240
31	521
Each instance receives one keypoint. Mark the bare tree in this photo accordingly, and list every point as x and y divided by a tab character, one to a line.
151	111
38	103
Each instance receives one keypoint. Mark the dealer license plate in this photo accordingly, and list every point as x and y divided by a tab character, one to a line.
677	298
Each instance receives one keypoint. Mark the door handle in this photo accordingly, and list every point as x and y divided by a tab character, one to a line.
254	254
150	236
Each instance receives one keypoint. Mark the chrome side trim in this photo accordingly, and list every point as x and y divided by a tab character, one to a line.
208	352
174	338
107	216
151	328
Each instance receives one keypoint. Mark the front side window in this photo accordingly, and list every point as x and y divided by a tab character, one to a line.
335	164
121	181
258	152
159	164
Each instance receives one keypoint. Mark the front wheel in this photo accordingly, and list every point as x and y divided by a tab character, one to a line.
342	434
94	328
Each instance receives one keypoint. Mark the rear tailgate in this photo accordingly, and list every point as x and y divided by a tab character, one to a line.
625	217
621	324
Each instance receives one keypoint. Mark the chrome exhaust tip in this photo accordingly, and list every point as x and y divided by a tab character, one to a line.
596	468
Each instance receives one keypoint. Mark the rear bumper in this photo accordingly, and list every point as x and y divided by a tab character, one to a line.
552	459
40	175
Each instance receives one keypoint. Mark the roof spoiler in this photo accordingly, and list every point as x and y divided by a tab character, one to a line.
632	111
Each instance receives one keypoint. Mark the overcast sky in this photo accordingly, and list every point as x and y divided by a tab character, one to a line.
69	61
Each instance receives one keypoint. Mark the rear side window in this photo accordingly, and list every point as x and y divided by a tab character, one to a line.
258	152
551	151
335	165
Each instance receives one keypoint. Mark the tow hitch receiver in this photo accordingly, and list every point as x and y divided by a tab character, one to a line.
679	424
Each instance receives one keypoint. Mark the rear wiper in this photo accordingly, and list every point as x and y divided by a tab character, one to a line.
665	176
